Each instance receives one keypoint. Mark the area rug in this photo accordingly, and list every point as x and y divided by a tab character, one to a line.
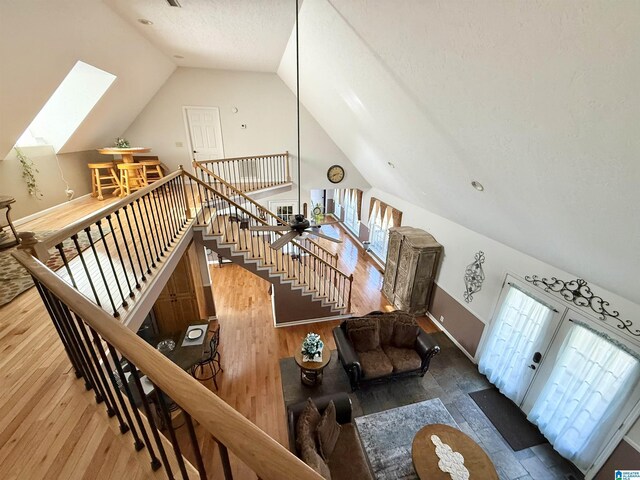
508	419
14	278
387	436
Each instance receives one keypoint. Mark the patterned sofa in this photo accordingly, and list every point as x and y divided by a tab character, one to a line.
379	346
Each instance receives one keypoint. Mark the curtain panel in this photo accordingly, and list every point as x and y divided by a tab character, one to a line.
378	213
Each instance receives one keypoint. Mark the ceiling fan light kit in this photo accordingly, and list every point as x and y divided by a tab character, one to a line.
300	226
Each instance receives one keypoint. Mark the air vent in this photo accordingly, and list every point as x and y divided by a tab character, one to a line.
174	3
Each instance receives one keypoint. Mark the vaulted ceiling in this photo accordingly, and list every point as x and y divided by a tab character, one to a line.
538	101
222	34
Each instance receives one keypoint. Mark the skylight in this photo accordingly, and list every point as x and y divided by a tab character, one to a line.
67	108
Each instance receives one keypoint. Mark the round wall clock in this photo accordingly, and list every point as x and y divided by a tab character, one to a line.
335	174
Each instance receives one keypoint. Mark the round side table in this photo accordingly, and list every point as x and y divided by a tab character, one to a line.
311	372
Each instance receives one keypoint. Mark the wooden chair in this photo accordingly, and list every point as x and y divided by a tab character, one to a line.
210	360
131	178
151	167
104	177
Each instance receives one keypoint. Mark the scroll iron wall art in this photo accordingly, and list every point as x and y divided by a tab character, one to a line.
579	293
473	277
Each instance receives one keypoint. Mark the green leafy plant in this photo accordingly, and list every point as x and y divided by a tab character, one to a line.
122	143
29	171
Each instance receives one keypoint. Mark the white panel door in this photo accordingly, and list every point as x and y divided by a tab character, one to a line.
205	132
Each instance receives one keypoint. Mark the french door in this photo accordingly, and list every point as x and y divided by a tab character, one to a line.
575	377
518	339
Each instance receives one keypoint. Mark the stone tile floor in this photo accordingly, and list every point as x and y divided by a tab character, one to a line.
451	377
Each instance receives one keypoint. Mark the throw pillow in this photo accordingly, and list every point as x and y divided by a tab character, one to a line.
405	332
385	325
315	461
363	334
306	426
328	431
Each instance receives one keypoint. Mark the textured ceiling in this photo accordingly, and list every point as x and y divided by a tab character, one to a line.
536	100
222	34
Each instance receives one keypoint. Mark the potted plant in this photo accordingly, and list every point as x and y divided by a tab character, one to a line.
312	348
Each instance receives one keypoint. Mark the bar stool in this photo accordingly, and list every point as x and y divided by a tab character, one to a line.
103	177
151	167
131	178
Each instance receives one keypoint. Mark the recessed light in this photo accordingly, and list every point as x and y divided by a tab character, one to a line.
391	165
178	56
144	21
477	185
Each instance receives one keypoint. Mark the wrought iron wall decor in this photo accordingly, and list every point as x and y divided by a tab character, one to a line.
579	293
473	277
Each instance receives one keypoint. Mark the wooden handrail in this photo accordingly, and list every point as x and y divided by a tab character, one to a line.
242	158
264	222
246	197
266	457
92	218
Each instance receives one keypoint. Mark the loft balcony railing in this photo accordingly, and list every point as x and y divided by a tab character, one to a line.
100	348
112	255
248	174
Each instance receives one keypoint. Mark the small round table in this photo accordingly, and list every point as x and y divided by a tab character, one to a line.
425	460
311	372
127	153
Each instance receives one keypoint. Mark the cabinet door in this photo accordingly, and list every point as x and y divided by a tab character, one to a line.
390	269
425	270
405	276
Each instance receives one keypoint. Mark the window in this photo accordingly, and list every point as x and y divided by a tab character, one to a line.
381	218
351	219
67	108
337	209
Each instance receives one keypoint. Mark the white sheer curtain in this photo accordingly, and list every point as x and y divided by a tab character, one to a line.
584	395
512	342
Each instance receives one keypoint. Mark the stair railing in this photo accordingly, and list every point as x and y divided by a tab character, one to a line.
100	349
112	254
229	191
223	216
251	173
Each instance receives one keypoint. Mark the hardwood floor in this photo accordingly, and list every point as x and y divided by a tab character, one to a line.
50	427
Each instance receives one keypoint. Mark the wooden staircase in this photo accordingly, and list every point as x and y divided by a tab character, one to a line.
306	284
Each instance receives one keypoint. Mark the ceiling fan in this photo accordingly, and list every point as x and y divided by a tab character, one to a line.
300	226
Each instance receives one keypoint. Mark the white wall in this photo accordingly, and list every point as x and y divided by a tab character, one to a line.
48	178
539	101
40	41
264	104
461	244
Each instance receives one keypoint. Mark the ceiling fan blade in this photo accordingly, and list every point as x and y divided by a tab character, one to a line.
327	237
270	228
283	240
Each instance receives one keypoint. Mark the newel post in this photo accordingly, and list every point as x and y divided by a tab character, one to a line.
350	289
187	210
286	162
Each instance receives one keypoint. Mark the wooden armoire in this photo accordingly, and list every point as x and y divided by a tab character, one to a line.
413	259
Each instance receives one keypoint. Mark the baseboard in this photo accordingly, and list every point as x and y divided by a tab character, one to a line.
312	320
631	442
47	211
455	342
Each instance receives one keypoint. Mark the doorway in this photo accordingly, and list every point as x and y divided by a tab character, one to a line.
519	338
204	132
573	375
